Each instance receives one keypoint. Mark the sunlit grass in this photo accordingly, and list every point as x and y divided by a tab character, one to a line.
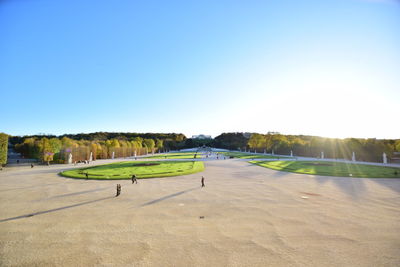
142	169
332	168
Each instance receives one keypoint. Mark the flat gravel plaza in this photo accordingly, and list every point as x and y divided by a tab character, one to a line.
245	215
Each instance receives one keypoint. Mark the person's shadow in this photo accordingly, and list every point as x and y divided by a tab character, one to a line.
169	196
53	210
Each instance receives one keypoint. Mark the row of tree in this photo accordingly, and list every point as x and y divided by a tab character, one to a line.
231	141
310	146
59	149
102	145
168	138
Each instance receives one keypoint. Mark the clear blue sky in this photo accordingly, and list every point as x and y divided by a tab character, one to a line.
328	68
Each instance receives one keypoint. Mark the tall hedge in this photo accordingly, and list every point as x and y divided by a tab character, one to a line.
3	148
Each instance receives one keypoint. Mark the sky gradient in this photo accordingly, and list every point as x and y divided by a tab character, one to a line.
328	68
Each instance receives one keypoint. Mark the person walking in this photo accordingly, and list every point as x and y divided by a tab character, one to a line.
118	190
202	181
134	179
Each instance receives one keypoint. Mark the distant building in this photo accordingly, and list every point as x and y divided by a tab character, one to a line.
201	136
247	135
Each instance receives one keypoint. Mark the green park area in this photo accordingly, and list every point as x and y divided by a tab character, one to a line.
327	168
178	155
244	155
142	169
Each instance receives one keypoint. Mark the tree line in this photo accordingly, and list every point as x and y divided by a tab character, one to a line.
310	146
103	145
96	146
171	140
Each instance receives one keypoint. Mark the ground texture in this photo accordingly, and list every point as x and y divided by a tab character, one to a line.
245	216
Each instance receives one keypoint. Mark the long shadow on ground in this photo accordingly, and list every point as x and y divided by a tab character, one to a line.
81	192
53	210
33	186
168	196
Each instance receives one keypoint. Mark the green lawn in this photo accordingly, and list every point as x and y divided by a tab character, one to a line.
142	169
243	155
179	155
332	168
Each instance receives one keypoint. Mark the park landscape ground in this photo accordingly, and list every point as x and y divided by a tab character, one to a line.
246	215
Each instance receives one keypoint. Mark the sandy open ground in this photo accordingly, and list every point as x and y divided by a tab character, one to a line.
252	217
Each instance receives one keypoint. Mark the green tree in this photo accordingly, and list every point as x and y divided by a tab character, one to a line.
55	145
67	142
257	141
278	142
3	148
115	143
298	145
159	143
269	142
45	150
231	141
397	145
149	143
